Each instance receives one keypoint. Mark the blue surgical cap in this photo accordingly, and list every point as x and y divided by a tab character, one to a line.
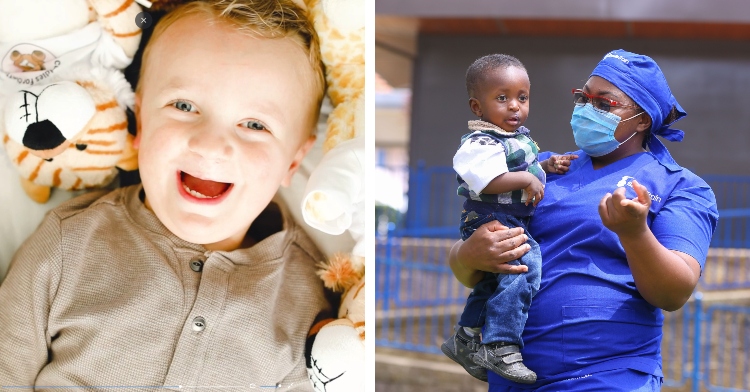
641	79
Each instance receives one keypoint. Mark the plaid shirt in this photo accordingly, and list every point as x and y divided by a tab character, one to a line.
520	153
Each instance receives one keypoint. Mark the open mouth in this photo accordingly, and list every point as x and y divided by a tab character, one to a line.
203	189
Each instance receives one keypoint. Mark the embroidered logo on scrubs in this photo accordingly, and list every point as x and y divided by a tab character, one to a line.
628	181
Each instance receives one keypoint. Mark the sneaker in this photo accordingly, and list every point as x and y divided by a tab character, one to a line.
460	347
505	360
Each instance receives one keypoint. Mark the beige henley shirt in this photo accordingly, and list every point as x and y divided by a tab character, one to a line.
102	294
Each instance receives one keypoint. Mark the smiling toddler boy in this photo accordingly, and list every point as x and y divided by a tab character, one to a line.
196	277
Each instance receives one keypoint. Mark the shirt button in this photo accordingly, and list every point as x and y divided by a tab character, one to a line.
199	324
196	264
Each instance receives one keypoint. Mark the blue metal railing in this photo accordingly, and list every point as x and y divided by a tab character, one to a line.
434	207
725	345
418	302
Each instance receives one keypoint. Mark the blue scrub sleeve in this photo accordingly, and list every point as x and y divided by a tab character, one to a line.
687	221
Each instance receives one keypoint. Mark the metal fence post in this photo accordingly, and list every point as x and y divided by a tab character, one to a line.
697	341
422	197
388	259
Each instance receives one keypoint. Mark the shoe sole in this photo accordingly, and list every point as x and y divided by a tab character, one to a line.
448	353
481	362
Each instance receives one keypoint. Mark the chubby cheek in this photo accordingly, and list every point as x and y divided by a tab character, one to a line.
157	150
525	115
157	138
266	165
150	155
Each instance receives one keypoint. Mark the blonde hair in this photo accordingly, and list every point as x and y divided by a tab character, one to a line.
264	18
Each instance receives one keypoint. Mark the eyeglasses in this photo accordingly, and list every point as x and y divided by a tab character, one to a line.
581	98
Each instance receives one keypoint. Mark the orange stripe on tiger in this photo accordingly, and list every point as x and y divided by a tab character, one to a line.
78	182
56	177
5	139
111	128
85	83
125	35
108	105
359	324
91	168
22	156
35	173
102	152
95	142
121	8
320	324
358	289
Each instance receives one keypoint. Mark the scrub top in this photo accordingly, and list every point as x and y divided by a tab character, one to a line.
588	316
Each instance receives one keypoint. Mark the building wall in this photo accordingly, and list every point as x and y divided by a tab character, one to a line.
711	80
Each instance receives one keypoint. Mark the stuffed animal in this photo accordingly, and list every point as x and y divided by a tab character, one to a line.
337	356
63	98
333	201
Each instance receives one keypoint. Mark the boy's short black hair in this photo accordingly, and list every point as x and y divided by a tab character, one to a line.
481	66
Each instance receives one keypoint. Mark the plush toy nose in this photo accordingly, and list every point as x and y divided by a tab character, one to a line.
44	139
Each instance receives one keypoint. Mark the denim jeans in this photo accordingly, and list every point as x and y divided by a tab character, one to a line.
500	302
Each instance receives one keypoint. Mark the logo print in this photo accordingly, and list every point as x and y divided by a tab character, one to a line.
626	180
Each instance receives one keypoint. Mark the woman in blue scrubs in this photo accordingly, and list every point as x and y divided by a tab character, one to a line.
623	234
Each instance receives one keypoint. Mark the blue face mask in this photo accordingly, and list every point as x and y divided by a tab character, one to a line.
594	130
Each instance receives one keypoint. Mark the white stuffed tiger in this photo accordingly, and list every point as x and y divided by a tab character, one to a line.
87	159
63	98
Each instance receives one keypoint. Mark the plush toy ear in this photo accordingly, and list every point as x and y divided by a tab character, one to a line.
38	55
38	193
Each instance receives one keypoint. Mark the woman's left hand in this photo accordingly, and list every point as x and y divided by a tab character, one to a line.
625	216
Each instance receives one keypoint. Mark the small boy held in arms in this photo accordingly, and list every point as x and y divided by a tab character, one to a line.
196	277
502	180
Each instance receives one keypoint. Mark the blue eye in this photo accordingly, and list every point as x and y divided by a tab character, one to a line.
183	106
254	125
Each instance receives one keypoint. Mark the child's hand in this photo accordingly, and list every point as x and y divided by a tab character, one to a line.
535	191
625	216
559	164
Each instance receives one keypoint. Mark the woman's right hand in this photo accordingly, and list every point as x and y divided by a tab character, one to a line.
489	248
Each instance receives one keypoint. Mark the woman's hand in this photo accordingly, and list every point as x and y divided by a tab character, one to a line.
665	278
489	248
625	216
